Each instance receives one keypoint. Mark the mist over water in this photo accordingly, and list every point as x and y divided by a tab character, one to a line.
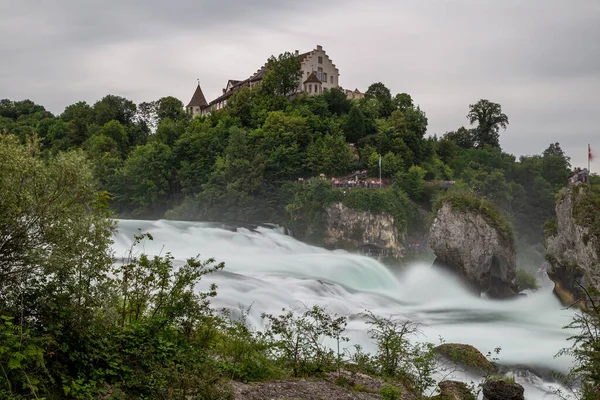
268	270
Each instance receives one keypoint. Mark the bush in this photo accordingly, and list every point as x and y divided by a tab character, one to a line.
550	227
397	357
389	392
411	182
586	348
297	340
525	281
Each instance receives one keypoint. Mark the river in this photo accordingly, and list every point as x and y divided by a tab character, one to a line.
268	270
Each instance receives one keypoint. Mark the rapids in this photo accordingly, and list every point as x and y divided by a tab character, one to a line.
268	270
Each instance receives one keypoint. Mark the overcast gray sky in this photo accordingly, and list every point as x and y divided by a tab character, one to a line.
540	59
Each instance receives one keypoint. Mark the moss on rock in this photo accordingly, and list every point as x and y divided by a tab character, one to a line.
469	202
466	356
586	211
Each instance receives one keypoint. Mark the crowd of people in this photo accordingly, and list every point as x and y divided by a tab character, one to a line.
580	175
358	179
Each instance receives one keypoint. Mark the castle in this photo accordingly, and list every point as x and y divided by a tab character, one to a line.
318	73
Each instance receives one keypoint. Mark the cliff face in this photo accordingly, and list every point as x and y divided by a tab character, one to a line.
469	246
572	250
347	227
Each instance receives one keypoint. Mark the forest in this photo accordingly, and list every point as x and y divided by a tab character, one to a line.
242	164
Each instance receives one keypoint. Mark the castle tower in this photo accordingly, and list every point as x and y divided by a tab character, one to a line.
197	103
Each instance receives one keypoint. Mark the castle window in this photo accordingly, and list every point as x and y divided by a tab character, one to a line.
320	60
325	77
309	88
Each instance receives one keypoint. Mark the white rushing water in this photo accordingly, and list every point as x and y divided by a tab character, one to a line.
269	271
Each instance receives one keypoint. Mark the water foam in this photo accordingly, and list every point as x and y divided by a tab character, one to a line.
270	271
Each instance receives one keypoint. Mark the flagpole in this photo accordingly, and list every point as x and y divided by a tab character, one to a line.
589	153
380	172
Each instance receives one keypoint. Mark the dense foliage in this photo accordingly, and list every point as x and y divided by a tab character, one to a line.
75	325
243	163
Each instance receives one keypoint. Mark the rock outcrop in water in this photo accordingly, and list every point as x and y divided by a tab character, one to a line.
454	390
350	228
573	247
471	239
467	357
499	389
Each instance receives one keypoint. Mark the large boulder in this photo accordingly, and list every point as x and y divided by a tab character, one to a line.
472	240
500	389
573	244
349	228
454	390
467	357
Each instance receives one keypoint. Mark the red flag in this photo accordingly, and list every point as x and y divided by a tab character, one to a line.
590	155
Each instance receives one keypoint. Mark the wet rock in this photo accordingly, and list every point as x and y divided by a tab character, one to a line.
573	250
502	390
453	390
347	227
466	356
467	245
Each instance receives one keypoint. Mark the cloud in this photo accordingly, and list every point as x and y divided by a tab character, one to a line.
538	59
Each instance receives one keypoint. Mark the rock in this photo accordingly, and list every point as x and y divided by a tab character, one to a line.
466	356
347	226
468	245
453	390
573	249
502	390
331	386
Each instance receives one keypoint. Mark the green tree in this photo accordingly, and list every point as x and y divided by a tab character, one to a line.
117	132
355	127
555	166
116	108
330	155
489	118
402	102
411	182
78	116
147	180
337	102
282	75
383	95
54	230
463	137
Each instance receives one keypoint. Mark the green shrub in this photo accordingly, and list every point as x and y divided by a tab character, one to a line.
551	227
525	281
397	357
389	392
297	340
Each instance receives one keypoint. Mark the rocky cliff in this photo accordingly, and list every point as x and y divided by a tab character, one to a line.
349	228
573	247
470	238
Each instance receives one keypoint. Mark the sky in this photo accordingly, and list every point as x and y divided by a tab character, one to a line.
539	59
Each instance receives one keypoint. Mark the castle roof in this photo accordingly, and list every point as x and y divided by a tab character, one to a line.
312	78
198	99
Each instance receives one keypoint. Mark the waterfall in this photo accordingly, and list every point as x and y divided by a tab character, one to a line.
268	270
